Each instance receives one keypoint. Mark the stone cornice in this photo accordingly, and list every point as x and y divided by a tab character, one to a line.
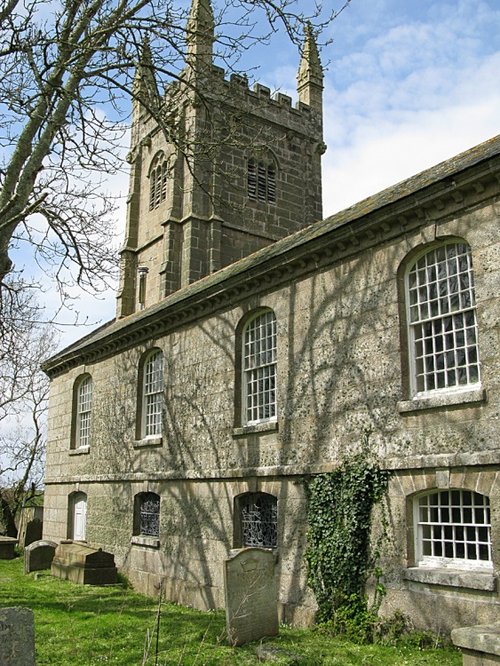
483	459
433	195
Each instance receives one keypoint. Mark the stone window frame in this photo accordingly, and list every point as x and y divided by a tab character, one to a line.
241	523
158	180
262	179
83	388
247	375
413	398
147	398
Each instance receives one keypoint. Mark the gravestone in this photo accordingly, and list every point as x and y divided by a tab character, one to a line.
251	595
17	637
26	516
33	531
7	545
82	564
39	555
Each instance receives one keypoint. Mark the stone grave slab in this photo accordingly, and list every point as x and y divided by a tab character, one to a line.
39	555
84	565
7	545
17	637
251	595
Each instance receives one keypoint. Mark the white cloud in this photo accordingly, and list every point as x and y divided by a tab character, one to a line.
410	97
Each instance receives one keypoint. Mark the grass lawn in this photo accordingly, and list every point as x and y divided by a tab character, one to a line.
84	626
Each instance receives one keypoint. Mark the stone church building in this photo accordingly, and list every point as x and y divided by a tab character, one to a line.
256	344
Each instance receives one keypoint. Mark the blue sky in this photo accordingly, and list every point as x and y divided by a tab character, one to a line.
408	85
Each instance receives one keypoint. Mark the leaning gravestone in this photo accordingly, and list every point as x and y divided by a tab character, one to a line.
251	595
33	531
39	555
17	637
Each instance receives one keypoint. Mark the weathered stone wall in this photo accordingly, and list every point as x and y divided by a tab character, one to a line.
207	220
341	372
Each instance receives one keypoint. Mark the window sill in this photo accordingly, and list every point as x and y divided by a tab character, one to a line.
80	451
155	440
442	400
256	428
147	541
472	580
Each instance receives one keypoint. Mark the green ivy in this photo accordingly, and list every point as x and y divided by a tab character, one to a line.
338	554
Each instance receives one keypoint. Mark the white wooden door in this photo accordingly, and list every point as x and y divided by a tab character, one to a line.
79	517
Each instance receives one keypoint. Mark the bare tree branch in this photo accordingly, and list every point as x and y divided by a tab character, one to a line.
66	80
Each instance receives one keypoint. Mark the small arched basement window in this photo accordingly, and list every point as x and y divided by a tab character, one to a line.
453	529
147	515
256	520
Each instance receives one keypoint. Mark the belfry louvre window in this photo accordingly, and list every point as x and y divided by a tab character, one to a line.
152	408
442	319
258	520
147	515
158	183
259	368
261	182
83	412
454	526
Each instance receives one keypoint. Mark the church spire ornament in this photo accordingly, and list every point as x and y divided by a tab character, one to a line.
200	35
310	74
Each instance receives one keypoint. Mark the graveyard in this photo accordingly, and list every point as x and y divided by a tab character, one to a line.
86	625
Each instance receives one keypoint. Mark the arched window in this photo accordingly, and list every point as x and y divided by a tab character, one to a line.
152	394
453	528
259	368
158	176
147	515
82	405
261	181
256	520
442	326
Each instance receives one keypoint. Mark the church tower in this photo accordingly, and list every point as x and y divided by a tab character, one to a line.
243	171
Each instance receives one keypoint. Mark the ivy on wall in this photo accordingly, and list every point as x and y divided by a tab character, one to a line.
338	553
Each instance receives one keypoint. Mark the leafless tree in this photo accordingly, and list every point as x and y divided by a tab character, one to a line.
25	343
66	78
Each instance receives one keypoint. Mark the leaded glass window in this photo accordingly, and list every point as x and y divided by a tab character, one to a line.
259	368
153	394
259	520
454	526
442	319
148	507
84	412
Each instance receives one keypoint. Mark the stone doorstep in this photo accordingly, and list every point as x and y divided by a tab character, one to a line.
481	643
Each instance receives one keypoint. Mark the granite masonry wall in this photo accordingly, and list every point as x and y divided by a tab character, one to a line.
342	372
